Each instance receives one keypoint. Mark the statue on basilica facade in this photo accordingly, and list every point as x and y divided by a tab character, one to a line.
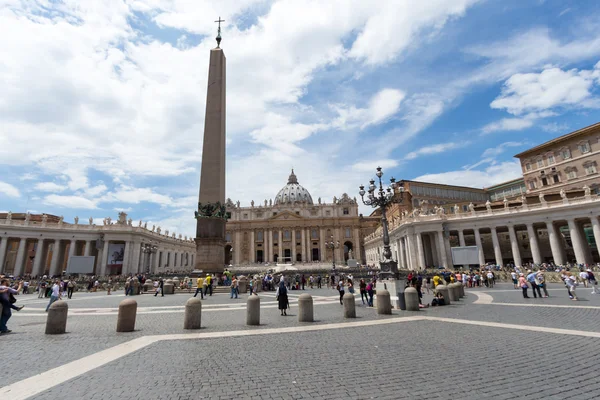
153	227
237	204
167	232
523	199
265	202
91	221
488	205
456	209
158	230
130	222
319	200
252	203
145	225
563	194
471	207
44	219
542	199
27	217
270	202
9	216
505	201
76	220
60	220
587	191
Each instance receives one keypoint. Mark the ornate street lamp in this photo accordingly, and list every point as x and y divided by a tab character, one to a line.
332	245
383	198
148	249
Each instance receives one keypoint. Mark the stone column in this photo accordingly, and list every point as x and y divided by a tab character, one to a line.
401	255
252	250
577	240
137	250
55	255
322	240
533	243
280	245
294	245
596	230
3	246
514	245
72	248
19	264
412	250
101	266
126	258
442	249
237	253
156	261
356	245
88	248
269	249
37	261
433	247
479	246
555	244
420	251
587	250
461	238
496	243
303	251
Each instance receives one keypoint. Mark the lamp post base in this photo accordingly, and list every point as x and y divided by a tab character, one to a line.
389	269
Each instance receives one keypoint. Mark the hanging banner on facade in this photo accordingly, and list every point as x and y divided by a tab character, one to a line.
116	253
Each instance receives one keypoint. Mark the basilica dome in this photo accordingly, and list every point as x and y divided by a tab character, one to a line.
293	192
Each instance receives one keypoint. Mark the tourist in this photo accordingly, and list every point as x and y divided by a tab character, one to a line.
332	281
571	283
523	285
584	277
7	300
319	278
70	287
41	288
350	286
160	287
515	279
532	279
340	288
234	287
199	285
208	283
362	286
303	281
541	282
282	297
370	292
56	295
438	300
593	281
26	287
436	280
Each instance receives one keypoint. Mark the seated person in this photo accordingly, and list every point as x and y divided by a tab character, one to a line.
438	300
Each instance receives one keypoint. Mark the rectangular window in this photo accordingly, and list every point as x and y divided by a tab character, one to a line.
275	236
274	214
328	213
259	236
314	234
228	237
245	216
584	147
346	211
465	208
532	185
297	212
298	235
287	235
550	159
566	154
540	163
348	233
555	179
528	167
590	169
571	174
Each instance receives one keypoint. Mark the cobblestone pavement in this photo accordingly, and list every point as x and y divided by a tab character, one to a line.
379	359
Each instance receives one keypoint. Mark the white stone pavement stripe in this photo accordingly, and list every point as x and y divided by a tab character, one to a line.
484	298
36	384
74	312
37	300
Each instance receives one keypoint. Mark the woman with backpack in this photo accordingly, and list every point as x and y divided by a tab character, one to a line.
341	290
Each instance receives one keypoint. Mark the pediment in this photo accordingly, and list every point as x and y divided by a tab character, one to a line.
285	215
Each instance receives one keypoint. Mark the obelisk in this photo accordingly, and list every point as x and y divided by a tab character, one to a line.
211	216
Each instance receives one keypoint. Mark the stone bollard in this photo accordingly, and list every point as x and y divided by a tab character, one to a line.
193	314
462	290
305	308
242	284
148	286
349	307
411	298
443	289
126	317
384	303
168	288
253	310
452	292
136	287
457	286
56	322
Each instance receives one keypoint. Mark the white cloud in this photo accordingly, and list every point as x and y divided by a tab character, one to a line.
435	149
49	187
133	195
489	176
507	124
76	202
383	105
553	87
496	151
555	127
9	190
370	166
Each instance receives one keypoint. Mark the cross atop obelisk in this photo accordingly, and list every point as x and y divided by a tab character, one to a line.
211	215
219	32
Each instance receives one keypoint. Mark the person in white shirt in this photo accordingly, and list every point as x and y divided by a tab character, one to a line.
55	294
515	279
584	277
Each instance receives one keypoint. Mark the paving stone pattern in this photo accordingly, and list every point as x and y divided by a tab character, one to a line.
384	362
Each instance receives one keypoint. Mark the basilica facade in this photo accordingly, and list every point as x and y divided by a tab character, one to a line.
295	229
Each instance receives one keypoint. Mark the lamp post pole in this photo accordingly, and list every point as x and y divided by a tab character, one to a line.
148	249
332	245
382	198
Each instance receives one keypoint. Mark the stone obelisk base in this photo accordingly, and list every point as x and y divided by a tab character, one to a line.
210	245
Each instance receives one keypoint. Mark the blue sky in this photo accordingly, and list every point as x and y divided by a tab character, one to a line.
102	103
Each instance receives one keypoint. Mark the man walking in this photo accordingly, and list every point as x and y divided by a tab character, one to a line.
5	292
199	284
208	282
532	279
55	294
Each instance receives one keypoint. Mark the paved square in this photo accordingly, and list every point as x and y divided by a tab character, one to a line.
492	343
